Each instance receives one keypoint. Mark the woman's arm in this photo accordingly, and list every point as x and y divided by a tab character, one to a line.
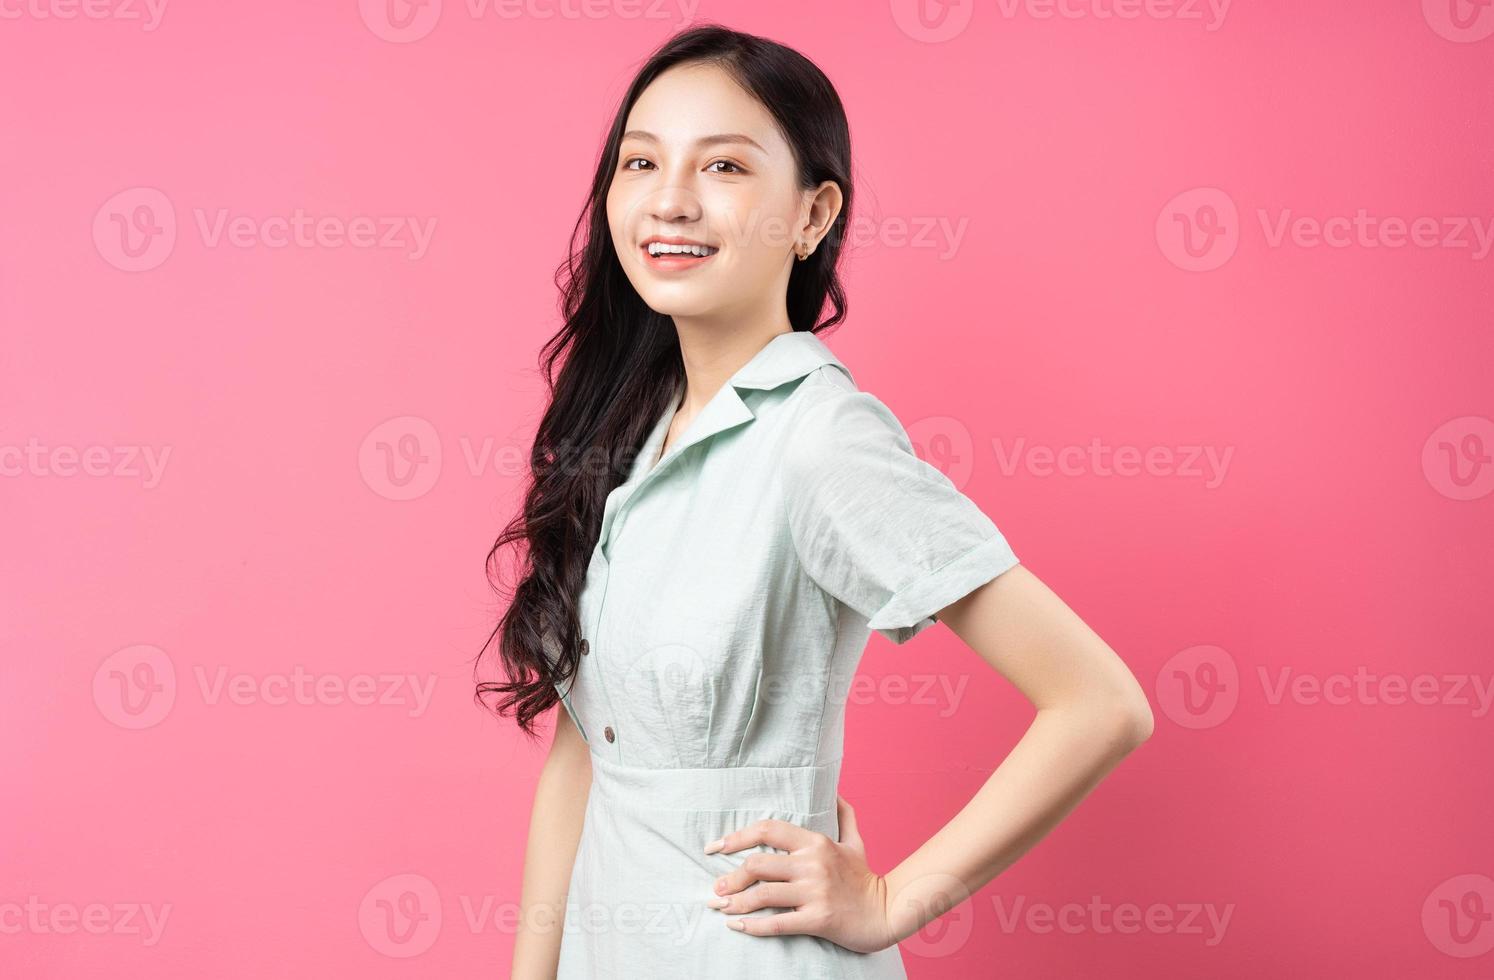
554	831
1091	713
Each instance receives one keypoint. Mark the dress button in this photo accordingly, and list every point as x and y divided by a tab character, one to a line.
585	647
608	732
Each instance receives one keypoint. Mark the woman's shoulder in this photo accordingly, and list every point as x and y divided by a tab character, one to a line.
833	423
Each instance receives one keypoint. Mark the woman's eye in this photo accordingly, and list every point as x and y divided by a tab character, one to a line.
735	169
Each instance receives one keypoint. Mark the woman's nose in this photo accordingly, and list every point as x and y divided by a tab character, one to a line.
675	198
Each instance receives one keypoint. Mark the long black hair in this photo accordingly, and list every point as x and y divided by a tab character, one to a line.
620	363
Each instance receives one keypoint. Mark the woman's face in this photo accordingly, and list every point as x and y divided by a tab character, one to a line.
702	160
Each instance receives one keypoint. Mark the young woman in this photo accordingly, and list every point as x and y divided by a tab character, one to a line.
718	519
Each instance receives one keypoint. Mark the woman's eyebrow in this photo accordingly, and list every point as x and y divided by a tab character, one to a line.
639	134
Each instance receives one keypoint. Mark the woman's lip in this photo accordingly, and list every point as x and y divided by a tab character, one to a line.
675	260
674	241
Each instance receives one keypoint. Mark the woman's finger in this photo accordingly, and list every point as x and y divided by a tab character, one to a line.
757	867
779	924
775	833
764	894
850	834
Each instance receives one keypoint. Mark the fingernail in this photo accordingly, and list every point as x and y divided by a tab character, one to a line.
717	902
715	846
720	884
736	924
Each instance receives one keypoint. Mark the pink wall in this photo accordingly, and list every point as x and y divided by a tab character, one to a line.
1114	277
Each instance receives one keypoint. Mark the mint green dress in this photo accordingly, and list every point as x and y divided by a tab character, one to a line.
729	598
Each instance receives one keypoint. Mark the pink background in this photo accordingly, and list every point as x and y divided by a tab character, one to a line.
1069	238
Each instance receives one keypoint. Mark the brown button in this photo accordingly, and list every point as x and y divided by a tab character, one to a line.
608	732
585	647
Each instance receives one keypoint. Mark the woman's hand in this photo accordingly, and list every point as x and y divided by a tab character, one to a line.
827	883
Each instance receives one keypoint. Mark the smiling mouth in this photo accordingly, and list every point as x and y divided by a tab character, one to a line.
664	256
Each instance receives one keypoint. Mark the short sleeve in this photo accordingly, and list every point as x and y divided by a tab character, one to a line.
877	527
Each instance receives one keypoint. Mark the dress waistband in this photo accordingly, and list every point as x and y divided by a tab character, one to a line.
799	789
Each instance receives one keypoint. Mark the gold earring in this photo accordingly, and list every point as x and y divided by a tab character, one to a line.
802	255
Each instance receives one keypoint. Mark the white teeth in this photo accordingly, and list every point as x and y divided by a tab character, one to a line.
658	248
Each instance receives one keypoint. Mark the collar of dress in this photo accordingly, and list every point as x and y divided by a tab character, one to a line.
787	357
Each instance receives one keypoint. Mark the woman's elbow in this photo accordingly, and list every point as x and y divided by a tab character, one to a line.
1126	709
1139	721
1131	713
